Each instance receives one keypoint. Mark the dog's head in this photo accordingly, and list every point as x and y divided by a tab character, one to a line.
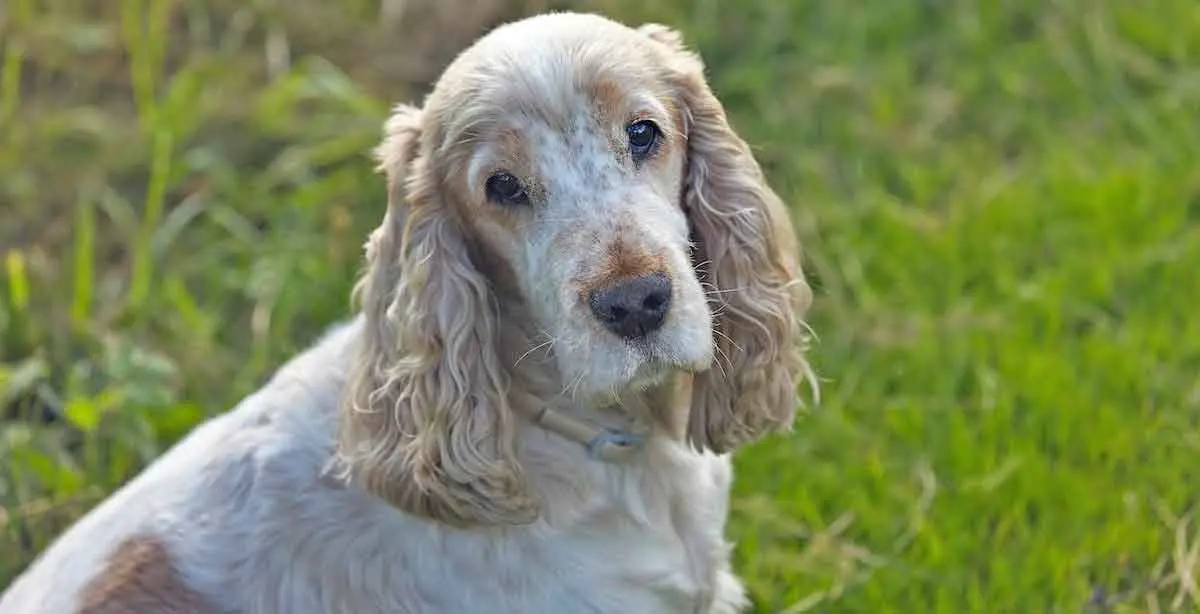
586	169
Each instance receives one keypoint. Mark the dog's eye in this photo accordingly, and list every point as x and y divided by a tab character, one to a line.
505	189
642	137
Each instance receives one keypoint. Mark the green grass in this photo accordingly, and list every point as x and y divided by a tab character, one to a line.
1000	203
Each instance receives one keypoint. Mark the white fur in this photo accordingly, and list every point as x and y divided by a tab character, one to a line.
242	504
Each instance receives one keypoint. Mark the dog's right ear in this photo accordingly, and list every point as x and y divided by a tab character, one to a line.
425	422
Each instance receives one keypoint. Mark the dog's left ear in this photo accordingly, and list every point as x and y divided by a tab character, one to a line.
748	257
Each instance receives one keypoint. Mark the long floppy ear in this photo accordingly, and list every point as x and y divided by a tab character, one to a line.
748	258
425	422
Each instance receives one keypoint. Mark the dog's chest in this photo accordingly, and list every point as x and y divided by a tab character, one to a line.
666	565
611	563
637	547
648	541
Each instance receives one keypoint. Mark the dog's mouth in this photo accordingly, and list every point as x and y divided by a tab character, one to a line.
656	360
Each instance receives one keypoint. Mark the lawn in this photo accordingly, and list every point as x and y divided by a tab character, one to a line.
999	202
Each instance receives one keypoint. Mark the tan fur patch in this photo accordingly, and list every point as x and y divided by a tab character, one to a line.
622	261
625	260
141	577
609	97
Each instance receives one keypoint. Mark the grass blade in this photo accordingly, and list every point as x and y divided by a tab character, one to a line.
156	191
84	269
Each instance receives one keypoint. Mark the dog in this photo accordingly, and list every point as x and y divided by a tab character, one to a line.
583	297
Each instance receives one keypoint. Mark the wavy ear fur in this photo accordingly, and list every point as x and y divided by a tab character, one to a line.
748	258
425	422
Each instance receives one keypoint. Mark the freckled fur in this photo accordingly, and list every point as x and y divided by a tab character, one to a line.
394	465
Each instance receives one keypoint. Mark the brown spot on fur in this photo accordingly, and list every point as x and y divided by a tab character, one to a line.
616	107
626	260
141	577
622	260
609	97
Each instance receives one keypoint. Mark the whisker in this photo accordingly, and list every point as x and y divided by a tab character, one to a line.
553	341
548	342
729	339
573	388
720	353
577	386
722	290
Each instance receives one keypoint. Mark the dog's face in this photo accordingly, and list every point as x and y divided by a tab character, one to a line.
564	152
579	176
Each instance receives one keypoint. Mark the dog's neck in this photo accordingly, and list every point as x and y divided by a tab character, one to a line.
616	432
611	432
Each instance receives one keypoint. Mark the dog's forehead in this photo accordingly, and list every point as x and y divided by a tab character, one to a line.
549	67
562	31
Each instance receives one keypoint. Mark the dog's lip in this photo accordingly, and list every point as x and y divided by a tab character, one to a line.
655	360
652	372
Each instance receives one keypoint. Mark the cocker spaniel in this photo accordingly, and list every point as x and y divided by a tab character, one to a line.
583	295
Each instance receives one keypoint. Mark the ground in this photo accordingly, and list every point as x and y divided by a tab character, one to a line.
999	203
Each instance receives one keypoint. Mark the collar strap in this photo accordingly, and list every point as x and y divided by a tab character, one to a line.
602	444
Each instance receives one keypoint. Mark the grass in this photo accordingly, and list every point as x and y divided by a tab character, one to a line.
1000	204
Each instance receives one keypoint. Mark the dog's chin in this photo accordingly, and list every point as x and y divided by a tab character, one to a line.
615	370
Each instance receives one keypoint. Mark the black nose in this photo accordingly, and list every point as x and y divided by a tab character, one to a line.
634	307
